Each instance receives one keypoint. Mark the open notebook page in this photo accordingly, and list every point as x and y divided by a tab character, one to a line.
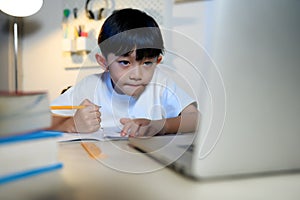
100	135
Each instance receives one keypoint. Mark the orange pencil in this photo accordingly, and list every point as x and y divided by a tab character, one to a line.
66	107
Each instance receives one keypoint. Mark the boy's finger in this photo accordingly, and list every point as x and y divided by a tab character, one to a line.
134	129
126	129
124	120
86	102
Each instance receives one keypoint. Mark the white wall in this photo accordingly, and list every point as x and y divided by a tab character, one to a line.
6	54
42	56
193	18
41	53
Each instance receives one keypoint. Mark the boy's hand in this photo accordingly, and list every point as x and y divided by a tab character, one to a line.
141	127
87	119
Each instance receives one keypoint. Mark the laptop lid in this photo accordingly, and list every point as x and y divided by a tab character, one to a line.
248	91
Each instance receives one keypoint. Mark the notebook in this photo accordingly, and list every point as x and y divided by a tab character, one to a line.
251	117
103	134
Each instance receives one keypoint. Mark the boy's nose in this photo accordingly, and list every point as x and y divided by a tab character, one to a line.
136	73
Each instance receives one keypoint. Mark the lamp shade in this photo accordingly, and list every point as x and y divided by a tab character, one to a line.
20	8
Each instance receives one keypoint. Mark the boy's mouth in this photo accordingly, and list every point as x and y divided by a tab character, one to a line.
134	89
134	85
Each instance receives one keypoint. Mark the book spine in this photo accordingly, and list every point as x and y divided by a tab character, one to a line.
30	136
29	173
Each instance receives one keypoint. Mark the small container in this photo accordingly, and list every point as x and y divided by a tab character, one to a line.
83	44
68	45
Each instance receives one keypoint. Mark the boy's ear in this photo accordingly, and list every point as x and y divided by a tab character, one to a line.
101	61
159	59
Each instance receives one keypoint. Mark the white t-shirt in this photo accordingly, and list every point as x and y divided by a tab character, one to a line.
162	98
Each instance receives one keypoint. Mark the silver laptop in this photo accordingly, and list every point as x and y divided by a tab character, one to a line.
251	108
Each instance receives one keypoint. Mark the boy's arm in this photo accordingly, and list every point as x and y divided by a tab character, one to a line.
87	120
185	122
63	123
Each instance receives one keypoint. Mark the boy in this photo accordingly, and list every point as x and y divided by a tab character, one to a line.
133	92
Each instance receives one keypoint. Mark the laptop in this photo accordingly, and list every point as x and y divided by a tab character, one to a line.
250	112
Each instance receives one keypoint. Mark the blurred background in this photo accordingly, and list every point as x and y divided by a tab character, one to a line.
234	33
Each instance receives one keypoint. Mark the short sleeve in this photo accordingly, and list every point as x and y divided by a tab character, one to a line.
175	99
62	100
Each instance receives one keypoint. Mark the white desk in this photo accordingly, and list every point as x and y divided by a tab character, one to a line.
84	178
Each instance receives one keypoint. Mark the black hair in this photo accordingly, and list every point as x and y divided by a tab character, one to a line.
129	29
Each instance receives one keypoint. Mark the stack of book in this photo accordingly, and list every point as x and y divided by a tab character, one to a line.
26	147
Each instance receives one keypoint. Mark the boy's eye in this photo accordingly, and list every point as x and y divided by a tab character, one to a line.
124	62
148	63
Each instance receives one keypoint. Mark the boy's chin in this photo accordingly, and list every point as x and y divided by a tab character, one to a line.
136	93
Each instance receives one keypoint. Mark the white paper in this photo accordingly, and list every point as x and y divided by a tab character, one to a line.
100	135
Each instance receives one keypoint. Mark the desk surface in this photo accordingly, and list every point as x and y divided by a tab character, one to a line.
83	177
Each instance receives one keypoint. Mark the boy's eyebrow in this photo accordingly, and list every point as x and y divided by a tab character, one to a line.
145	58
124	56
154	58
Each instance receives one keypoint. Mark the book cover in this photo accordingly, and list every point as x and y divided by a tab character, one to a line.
28	154
29	173
23	112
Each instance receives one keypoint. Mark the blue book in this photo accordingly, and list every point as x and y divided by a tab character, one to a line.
30	154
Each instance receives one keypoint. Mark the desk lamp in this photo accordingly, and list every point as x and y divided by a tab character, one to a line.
19	8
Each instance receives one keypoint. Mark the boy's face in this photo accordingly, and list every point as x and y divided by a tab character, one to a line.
130	76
